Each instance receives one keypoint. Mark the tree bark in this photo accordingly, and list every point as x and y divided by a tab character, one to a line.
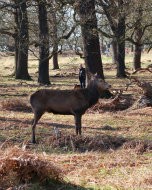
138	37
117	23
21	41
132	48
55	42
55	59
114	51
16	40
137	57
43	77
93	62
120	34
54	34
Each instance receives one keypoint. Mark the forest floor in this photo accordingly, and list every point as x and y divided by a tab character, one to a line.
115	150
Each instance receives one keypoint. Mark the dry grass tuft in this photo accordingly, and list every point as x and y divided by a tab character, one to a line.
86	143
15	105
19	166
140	146
116	104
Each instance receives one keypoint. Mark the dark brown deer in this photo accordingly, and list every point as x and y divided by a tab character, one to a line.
66	102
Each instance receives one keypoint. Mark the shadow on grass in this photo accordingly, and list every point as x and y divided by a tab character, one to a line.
58	125
59	186
14	95
70	142
67	142
73	143
50	185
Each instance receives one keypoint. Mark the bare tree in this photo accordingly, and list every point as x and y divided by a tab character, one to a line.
54	31
88	22
22	40
20	35
138	45
43	77
115	13
139	28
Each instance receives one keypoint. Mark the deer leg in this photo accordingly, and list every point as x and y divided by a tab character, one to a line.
37	116
78	124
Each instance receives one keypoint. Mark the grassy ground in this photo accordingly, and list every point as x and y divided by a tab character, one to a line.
127	162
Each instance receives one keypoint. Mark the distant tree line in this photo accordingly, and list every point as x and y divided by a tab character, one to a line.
49	26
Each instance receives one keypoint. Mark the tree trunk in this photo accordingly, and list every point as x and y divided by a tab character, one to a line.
121	61
55	59
121	46
54	32
102	44
55	39
16	42
137	57
22	42
43	77
93	62
15	37
117	23
138	39
132	48
114	51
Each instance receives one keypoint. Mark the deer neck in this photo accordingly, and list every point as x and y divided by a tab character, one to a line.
93	93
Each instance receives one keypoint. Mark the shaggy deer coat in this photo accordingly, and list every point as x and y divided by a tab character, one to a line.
66	102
